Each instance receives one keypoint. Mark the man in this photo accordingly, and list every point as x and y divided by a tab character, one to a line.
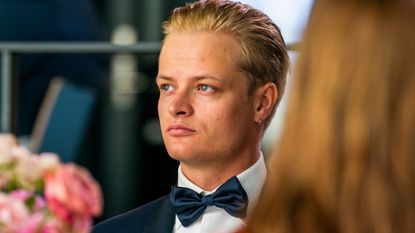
222	72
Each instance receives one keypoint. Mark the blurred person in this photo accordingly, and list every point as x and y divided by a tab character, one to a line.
222	71
345	162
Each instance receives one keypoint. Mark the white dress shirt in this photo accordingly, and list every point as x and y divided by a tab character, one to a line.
217	220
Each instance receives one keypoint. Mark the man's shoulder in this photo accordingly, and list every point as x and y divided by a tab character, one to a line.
138	219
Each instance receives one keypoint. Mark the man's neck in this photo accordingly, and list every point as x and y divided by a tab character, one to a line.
210	176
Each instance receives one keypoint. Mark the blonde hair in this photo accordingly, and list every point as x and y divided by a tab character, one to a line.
263	52
346	159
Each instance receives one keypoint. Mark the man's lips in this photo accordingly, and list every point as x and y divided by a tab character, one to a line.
179	130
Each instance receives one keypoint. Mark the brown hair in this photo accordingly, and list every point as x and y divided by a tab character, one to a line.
263	53
346	159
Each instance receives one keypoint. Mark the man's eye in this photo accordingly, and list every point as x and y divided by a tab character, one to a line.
204	87
165	87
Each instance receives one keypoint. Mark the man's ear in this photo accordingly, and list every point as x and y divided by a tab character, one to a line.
265	99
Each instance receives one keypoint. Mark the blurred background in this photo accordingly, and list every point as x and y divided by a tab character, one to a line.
100	109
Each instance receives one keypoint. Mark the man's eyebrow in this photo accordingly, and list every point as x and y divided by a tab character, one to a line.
200	77
163	77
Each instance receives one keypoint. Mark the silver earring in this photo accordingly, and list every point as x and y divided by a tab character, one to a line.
259	122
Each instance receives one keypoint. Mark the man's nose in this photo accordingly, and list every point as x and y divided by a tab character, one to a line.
181	104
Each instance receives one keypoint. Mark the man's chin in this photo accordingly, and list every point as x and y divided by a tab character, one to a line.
178	149
180	156
185	155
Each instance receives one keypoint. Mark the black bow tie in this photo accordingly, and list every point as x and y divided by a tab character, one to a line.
189	205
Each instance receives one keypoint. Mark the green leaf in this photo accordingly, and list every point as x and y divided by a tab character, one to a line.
30	202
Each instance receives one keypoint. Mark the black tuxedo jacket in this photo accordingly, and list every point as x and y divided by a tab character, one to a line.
155	217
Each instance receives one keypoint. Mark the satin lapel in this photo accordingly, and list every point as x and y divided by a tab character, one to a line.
162	220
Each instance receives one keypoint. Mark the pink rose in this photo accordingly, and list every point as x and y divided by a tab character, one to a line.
81	224
73	196
21	194
32	224
39	224
13	213
52	227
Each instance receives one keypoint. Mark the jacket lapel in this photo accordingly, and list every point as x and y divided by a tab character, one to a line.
162	219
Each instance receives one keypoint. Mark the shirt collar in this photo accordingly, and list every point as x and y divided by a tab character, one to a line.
252	180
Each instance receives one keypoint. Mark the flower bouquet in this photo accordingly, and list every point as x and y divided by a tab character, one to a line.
40	194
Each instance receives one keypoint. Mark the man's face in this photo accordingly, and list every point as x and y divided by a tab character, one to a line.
205	114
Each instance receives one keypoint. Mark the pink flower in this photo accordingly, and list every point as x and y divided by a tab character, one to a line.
21	194
32	224
39	194
37	223
52	226
73	196
13	213
7	143
48	161
40	203
28	169
81	224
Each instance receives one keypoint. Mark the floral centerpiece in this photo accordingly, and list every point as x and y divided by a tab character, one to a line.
40	194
